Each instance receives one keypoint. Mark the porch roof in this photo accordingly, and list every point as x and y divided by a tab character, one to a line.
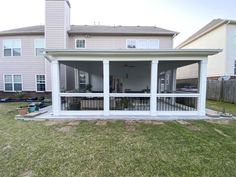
51	53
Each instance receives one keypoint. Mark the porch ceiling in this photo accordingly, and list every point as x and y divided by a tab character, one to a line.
53	54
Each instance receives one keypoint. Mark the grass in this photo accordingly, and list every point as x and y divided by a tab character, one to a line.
115	148
220	106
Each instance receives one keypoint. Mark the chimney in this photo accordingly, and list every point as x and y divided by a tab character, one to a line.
57	23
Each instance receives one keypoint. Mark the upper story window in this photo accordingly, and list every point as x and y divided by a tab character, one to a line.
80	43
12	47
39	45
13	83
142	44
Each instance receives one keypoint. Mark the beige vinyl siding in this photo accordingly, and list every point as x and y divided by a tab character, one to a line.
215	39
117	42
27	65
231	49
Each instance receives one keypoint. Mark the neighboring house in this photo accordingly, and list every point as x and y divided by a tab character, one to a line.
101	70
221	34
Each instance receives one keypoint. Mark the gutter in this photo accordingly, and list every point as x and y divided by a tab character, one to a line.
51	53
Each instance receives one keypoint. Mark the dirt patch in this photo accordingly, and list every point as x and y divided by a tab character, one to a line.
130	122
101	122
65	129
157	123
193	128
74	123
221	133
27	174
153	122
222	122
130	128
182	122
51	123
130	125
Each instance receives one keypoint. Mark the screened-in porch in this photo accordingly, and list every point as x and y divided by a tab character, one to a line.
127	82
82	86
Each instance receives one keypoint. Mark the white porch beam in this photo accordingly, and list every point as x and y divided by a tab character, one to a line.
56	100
106	86
153	101
202	87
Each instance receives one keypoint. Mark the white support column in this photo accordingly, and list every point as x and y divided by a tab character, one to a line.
173	80
153	101
56	100
202	87
106	87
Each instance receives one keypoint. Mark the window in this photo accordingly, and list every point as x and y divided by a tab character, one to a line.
80	43
39	45
142	44
235	67
40	80
12	47
13	82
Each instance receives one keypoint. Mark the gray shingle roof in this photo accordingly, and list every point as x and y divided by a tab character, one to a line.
24	31
207	28
96	29
99	29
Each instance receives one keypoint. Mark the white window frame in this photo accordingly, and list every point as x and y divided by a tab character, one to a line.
13	88
3	53
139	40
85	45
36	82
35	51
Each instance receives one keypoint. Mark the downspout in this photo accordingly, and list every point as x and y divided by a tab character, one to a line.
226	48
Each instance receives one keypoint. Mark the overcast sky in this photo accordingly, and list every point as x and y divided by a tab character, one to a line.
184	16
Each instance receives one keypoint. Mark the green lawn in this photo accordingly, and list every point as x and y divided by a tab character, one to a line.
115	148
220	106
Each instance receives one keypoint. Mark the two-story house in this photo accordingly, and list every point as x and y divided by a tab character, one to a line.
100	70
219	33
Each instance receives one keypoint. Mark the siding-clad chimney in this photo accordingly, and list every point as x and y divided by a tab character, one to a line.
57	23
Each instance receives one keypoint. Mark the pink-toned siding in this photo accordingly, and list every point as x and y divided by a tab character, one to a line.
117	42
57	24
27	65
